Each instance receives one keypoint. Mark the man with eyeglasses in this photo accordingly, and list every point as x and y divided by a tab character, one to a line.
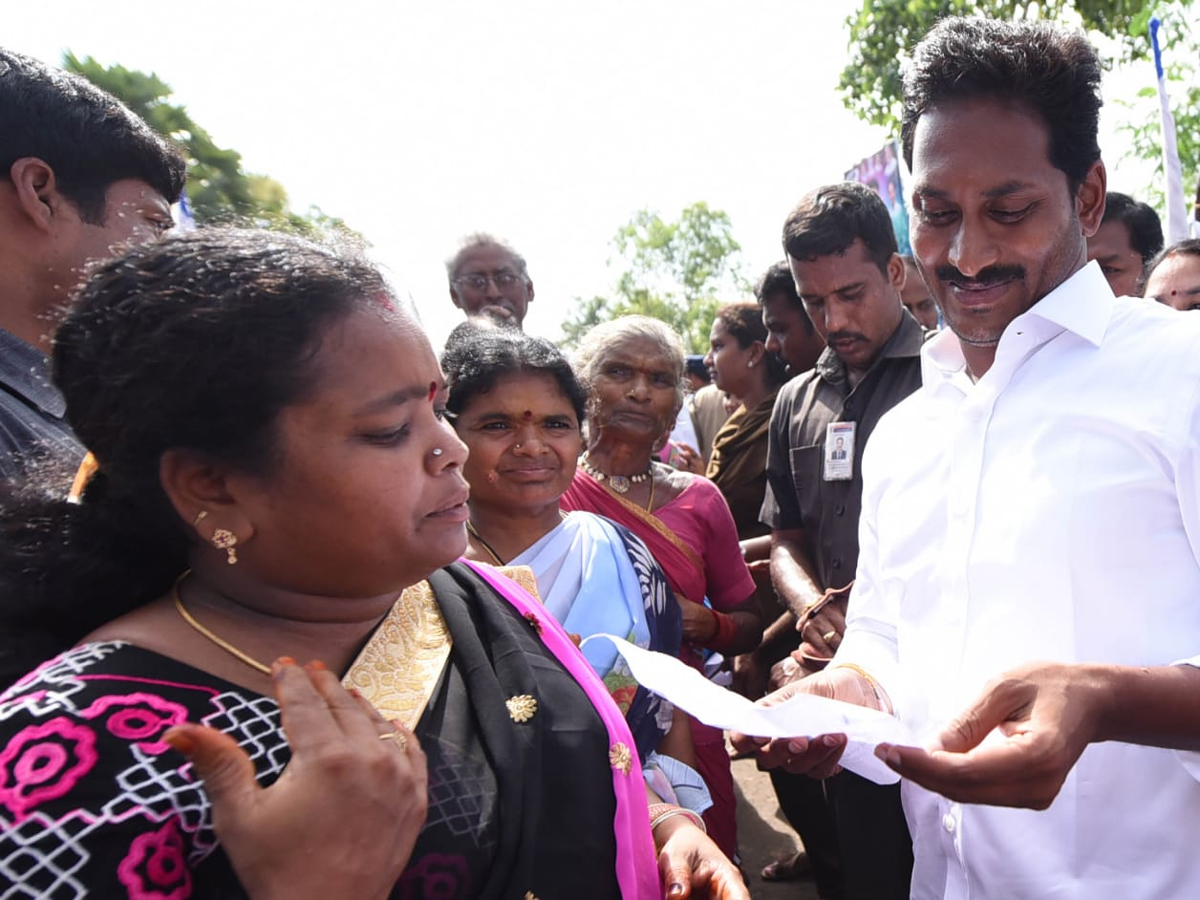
488	278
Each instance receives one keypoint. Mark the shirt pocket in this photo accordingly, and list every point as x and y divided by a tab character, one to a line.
808	467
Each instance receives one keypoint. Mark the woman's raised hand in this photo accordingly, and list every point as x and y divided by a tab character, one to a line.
344	816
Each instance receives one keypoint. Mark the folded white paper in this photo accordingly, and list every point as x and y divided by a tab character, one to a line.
803	715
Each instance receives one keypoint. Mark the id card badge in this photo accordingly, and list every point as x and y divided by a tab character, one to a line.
839	451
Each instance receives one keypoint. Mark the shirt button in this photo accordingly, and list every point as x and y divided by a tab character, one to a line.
837	562
948	823
840	510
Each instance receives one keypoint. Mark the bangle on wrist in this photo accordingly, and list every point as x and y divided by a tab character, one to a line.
660	812
726	631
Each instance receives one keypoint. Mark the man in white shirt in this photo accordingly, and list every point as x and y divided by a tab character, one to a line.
1028	599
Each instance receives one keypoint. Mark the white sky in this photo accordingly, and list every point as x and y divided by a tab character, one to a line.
548	123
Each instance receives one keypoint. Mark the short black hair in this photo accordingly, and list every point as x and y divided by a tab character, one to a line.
777	281
477	356
88	137
1145	228
696	368
1052	72
831	218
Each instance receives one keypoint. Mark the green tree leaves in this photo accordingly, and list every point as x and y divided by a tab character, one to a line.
884	32
218	189
677	271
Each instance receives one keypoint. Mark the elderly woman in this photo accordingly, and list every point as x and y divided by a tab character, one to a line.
633	368
273	480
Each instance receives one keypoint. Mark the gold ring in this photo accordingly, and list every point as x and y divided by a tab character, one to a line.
829	636
398	737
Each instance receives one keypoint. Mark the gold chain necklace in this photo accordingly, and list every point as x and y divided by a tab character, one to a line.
219	641
619	483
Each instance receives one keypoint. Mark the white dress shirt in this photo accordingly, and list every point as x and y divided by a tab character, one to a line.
1049	512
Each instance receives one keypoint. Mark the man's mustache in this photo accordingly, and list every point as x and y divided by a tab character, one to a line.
834	336
989	277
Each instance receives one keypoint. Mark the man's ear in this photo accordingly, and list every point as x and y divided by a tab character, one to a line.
454	298
199	492
1090	198
37	194
897	272
529	289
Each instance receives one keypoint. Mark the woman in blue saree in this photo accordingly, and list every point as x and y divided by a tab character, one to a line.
517	405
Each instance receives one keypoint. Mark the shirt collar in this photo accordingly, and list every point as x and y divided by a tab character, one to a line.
25	371
906	340
1082	305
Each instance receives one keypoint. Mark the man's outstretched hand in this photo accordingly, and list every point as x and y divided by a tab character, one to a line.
1044	714
816	756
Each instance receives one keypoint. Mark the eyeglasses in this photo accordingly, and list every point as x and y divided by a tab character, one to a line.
478	281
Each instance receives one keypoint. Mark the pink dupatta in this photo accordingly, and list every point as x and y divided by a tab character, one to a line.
637	862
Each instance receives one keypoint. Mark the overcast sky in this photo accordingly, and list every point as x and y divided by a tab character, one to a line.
548	123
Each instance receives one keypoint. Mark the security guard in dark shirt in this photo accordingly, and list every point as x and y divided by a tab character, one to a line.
843	257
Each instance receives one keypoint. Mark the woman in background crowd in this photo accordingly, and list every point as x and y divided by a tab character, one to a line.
633	368
1174	276
743	368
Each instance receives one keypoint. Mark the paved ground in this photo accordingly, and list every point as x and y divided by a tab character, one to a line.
763	835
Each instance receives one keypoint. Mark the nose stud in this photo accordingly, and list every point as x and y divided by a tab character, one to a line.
438	451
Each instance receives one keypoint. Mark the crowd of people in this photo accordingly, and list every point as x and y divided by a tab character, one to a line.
293	603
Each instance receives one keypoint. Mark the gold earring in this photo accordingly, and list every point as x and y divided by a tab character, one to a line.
200	517
227	541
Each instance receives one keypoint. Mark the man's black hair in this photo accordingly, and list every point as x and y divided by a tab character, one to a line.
1051	72
88	137
777	281
831	218
1145	229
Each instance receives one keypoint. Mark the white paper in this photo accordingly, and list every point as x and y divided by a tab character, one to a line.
803	715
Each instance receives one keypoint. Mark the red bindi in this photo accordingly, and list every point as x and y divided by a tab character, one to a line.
527	415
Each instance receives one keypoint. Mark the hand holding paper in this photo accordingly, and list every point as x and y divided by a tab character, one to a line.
799	716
